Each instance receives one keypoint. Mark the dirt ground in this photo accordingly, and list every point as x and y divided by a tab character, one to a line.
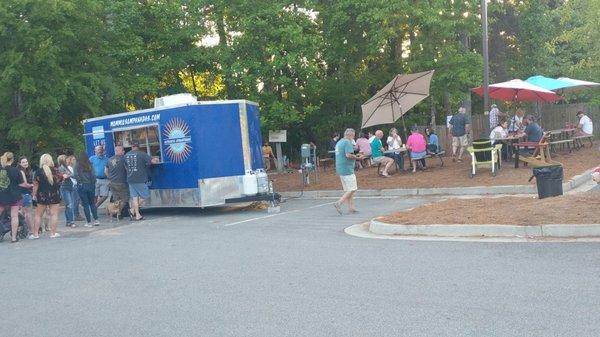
582	208
450	175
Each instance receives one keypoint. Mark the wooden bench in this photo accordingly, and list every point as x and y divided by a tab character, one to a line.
579	143
325	162
439	155
562	142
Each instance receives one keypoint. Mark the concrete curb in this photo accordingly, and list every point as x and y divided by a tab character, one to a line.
577	180
492	230
572	183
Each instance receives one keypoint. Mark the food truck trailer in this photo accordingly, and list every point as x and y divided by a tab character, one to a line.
209	153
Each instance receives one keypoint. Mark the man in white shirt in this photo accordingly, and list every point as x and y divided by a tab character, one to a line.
586	127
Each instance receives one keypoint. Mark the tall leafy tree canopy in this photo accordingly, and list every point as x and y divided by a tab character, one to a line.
308	63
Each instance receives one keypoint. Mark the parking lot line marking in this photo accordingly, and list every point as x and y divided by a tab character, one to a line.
276	214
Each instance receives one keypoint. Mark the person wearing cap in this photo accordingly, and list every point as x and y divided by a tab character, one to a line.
99	161
137	164
495	115
585	126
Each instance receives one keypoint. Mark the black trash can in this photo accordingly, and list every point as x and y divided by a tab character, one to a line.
483	143
549	180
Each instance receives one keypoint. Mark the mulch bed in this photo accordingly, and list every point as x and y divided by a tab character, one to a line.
582	208
450	175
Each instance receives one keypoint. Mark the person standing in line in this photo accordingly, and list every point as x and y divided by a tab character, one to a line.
459	128
71	162
117	175
27	192
345	159
137	164
10	195
86	182
99	161
66	190
46	192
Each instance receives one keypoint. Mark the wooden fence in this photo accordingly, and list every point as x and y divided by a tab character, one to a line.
552	116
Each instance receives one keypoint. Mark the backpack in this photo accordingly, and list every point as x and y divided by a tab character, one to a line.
4	180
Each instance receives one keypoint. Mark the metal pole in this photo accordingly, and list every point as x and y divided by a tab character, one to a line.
486	70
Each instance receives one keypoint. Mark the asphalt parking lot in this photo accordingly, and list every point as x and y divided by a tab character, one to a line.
245	272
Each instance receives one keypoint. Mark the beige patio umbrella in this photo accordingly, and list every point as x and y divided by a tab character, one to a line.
396	98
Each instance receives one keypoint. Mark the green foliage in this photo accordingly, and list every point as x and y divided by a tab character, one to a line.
310	64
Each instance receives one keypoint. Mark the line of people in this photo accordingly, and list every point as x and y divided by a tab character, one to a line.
88	179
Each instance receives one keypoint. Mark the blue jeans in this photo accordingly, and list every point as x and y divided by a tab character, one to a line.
67	197
398	159
86	194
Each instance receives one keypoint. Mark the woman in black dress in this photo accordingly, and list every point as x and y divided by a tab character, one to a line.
46	191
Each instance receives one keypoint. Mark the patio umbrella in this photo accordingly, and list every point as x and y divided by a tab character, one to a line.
549	83
578	84
518	90
396	98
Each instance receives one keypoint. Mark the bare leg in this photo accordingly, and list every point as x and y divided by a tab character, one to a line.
14	222
100	200
134	207
388	164
53	218
139	204
28	218
460	152
350	201
39	211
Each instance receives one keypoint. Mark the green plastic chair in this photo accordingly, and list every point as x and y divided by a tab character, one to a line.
479	158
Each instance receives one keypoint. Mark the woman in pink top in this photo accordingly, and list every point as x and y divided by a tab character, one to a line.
417	144
364	146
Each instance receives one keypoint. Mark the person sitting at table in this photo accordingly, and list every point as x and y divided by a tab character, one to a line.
417	145
433	142
585	126
516	121
533	130
501	132
364	148
394	143
377	154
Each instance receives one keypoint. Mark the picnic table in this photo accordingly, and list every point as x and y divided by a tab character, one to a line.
511	140
541	154
562	137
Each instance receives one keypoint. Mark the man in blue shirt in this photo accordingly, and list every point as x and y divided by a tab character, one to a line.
99	162
533	130
345	159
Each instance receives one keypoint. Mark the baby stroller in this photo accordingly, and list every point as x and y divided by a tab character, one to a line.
22	230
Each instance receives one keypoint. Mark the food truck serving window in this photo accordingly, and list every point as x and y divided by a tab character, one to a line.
148	136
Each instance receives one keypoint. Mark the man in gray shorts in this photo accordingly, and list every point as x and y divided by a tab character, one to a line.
117	175
137	164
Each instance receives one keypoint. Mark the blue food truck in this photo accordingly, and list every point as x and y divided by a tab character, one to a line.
209	153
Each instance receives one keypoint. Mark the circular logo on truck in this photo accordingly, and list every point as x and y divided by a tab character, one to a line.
177	140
